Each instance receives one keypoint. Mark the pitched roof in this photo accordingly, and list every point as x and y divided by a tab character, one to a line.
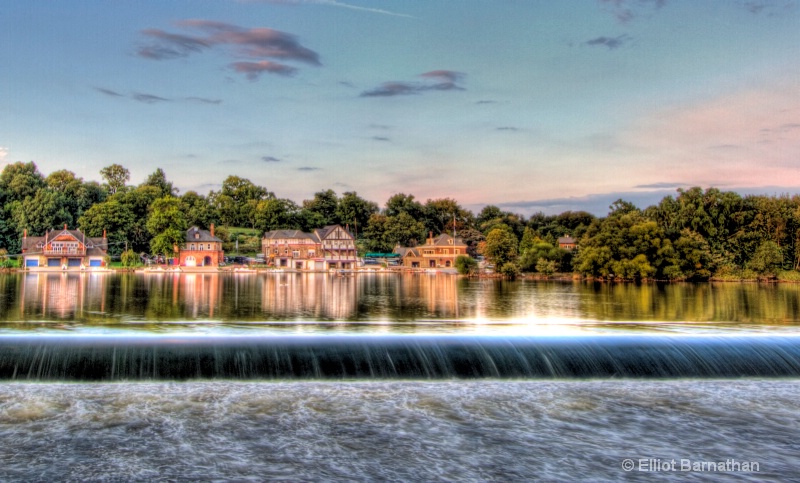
444	240
99	245
565	240
288	234
205	235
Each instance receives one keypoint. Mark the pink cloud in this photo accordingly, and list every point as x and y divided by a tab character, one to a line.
260	44
750	137
253	69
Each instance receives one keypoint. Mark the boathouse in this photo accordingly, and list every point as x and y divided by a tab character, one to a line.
63	249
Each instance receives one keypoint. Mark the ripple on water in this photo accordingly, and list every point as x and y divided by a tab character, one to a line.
478	430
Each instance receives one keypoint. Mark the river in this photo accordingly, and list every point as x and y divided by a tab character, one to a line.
394	377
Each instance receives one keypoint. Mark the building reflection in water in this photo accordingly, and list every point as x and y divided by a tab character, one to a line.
237	298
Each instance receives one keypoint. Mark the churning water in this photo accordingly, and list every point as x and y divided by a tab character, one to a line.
393	430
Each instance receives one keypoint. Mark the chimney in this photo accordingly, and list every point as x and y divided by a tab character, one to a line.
24	233
104	233
65	227
212	229
430	237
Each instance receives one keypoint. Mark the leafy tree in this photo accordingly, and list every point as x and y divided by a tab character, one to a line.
440	215
129	258
466	265
355	211
509	269
44	211
375	234
158	180
326	205
546	267
232	201
472	238
115	217
199	211
767	259
276	214
500	247
115	176
403	203
20	180
167	225
403	230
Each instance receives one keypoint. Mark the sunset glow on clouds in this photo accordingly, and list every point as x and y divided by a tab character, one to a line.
529	105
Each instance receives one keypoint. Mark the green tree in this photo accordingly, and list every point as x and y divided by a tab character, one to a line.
158	180
466	265
129	258
115	217
767	259
546	267
355	210
500	246
276	214
43	211
441	214
403	230
403	203
325	204
199	211
167	225
115	176
20	180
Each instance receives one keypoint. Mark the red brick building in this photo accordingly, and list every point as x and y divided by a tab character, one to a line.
201	249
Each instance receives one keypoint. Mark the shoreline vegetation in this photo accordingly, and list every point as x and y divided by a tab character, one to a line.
697	235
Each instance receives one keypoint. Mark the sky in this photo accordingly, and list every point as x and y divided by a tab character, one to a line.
528	105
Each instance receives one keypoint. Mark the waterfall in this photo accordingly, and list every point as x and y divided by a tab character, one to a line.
125	358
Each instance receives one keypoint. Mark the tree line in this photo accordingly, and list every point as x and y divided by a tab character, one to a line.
696	235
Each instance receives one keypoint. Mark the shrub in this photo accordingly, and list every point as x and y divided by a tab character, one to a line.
466	265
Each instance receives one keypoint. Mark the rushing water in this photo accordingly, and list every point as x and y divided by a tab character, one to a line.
394	377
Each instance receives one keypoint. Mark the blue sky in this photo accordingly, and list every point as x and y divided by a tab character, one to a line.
530	105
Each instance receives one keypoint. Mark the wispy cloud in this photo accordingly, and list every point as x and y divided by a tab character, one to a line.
308	168
659	186
167	45
108	92
254	69
443	75
626	10
610	42
203	100
380	138
148	98
270	159
770	7
507	128
3	153
330	3
442	80
263	45
153	99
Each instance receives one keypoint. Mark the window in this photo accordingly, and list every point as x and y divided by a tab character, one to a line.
295	253
191	247
311	254
209	246
196	235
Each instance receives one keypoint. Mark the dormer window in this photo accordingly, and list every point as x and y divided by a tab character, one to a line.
450	241
196	235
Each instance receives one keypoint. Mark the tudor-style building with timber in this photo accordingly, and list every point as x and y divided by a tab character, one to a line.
65	249
201	249
439	252
331	247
